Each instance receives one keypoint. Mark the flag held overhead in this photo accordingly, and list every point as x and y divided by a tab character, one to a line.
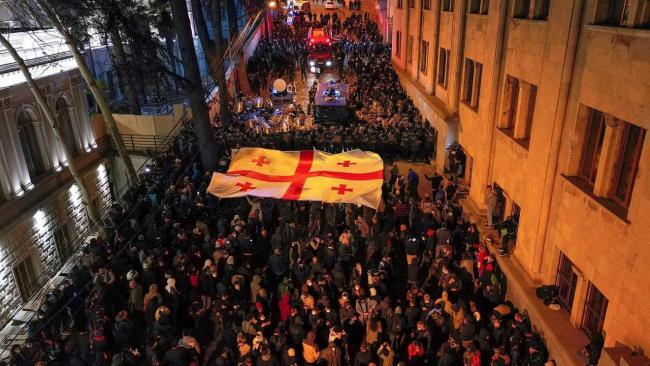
351	177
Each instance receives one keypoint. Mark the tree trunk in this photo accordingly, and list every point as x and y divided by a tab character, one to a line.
232	33
232	18
211	57
51	119
224	111
111	126
171	51
193	85
123	71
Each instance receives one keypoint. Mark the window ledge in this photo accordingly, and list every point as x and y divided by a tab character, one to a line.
531	20
619	29
611	206
477	15
523	143
468	106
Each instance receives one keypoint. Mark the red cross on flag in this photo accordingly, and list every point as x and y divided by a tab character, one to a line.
351	177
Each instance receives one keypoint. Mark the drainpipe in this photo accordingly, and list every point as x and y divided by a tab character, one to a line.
436	44
496	86
420	39
573	38
461	53
407	31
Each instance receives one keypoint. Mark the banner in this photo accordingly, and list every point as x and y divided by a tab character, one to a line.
351	177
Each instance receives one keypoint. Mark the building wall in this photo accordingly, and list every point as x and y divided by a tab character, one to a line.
574	64
612	75
35	209
14	176
31	236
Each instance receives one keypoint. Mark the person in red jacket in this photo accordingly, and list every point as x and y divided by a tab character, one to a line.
415	353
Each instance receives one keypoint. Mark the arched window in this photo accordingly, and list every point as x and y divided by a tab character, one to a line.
65	124
30	145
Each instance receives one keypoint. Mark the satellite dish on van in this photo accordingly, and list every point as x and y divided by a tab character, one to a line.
279	85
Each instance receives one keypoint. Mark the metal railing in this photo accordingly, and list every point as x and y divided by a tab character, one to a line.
146	144
14	329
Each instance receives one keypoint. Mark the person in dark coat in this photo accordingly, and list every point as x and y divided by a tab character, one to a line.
177	356
594	349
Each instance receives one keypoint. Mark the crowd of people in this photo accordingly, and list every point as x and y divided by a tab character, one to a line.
392	142
278	56
184	278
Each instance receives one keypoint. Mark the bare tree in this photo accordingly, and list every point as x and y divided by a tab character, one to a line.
111	126
51	119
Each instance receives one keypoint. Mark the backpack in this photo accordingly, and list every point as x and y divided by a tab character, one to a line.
544	292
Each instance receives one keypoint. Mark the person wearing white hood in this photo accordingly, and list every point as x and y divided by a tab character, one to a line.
171	286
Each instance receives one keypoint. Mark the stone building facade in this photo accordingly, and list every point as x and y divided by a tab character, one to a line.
42	215
549	100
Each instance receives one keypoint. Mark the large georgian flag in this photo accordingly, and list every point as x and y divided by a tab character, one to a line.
351	177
